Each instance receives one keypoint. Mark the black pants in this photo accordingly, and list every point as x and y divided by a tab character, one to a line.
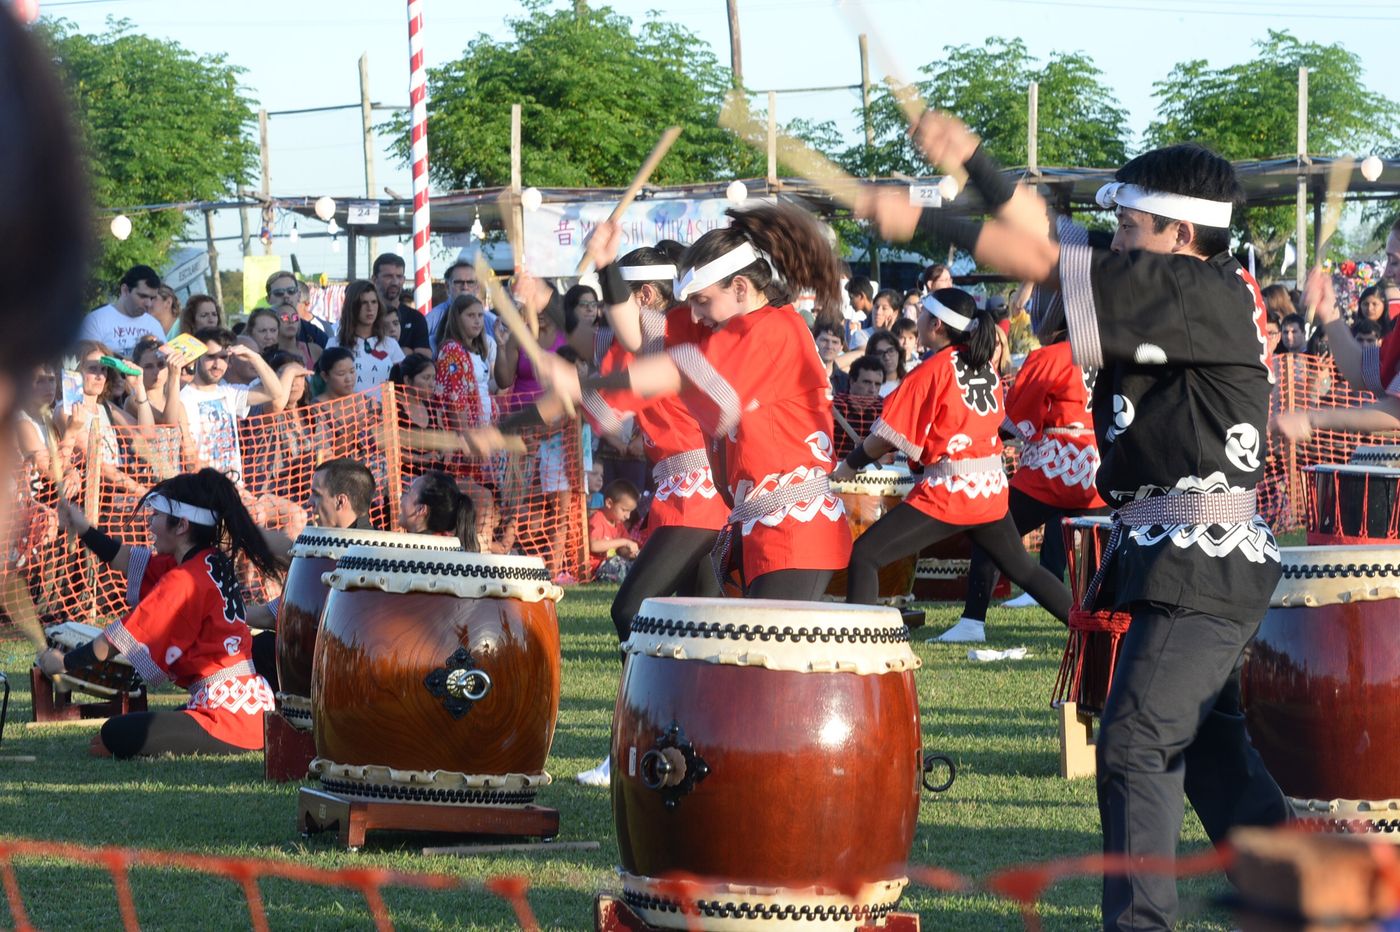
673	561
1173	724
1027	514
145	734
906	529
265	656
793	585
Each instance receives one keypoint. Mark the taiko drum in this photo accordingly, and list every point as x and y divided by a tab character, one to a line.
304	596
1321	686
869	496
1352	504
1095	637
770	749
436	677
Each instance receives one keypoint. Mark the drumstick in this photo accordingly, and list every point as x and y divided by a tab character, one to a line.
19	605
808	163
515	323
658	152
856	438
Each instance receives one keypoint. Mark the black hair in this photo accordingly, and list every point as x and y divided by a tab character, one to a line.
651	255
571	299
449	511
277	358
221	335
412	365
862	363
569	354
1296	319
330	357
822	327
890	295
45	217
670	248
1192	170
978	344
145	345
234	532
619	487
796	244
1053	328
351	478
386	258
932	273
1385	322
1366	325
902	326
885	336
862	286
140	274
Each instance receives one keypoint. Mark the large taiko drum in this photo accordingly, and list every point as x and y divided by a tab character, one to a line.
1095	638
1321	686
869	496
436	677
304	596
772	750
1387	455
1352	504
940	572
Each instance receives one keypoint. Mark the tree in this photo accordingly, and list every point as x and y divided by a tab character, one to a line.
1081	122
159	125
595	95
1249	111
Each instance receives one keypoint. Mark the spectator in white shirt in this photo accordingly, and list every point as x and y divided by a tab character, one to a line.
126	320
363	331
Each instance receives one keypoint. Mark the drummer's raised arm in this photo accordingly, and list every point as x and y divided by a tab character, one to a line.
107	549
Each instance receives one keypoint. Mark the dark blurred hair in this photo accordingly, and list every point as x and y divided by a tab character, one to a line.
1192	170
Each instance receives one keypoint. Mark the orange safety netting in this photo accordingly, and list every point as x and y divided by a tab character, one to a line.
532	504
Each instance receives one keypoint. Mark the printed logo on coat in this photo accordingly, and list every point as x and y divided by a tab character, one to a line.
225	576
979	386
1091	378
957	443
232	644
1242	447
1122	417
819	442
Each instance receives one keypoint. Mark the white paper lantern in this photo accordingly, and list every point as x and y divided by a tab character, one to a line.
736	193
531	199
121	226
1371	167
948	187
332	227
295	235
325	207
28	11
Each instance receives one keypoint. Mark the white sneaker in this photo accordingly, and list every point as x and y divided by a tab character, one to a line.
1024	600
598	776
965	631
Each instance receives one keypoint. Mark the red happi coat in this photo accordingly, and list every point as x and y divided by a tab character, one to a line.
757	384
188	626
1048	408
946	410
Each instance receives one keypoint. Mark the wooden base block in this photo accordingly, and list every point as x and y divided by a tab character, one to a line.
287	750
1289	879
611	914
1076	742
51	705
319	811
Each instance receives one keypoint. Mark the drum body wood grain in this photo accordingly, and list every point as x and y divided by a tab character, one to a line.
1321	683
304	598
1352	504
802	782
1095	638
435	662
868	497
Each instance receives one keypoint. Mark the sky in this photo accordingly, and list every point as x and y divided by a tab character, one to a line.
305	53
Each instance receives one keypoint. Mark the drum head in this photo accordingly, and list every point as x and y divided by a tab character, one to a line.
331	542
1334	575
450	572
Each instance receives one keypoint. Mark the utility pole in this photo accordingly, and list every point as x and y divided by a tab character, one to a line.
871	246
736	57
213	257
266	182
1301	234
367	128
1033	129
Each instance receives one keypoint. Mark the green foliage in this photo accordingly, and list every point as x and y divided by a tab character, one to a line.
595	94
160	124
1249	111
1081	122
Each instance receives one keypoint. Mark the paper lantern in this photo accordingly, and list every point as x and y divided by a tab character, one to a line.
531	199
1371	167
325	207
736	193
121	226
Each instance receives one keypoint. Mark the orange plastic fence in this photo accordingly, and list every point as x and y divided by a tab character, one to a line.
532	503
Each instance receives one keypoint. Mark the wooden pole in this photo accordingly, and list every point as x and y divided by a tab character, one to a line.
218	289
517	213
872	247
736	55
772	137
367	132
266	181
1033	128
1301	233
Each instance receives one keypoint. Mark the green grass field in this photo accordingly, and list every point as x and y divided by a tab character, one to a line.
1008	806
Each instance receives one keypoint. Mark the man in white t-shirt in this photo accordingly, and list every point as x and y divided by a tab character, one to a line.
121	324
212	407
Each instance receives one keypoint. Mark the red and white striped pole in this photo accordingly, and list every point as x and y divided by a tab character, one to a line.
418	98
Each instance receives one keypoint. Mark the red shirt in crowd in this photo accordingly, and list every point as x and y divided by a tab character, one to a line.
1048	408
600	527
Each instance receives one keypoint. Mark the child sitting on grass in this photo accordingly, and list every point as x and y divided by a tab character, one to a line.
611	548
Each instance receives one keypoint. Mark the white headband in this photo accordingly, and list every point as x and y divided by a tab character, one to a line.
949	316
647	273
1196	210
740	257
191	513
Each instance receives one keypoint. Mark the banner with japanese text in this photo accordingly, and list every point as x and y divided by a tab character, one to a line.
554	234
